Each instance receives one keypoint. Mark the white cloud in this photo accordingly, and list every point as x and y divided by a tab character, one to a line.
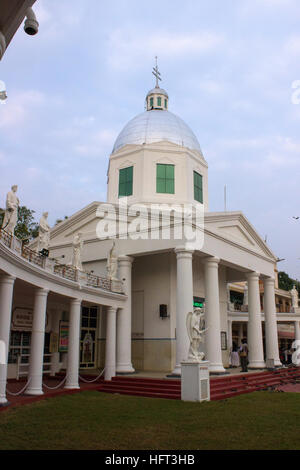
128	48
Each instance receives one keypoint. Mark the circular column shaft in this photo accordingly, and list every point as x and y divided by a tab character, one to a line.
297	330
271	332
212	316
37	343
255	340
6	299
110	345
184	303
124	362
72	381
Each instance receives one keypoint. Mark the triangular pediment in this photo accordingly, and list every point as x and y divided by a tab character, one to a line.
234	227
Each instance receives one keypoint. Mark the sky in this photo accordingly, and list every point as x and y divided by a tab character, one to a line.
228	66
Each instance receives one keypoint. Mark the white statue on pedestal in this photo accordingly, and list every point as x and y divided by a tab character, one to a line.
11	212
77	249
295	297
44	233
194	323
112	264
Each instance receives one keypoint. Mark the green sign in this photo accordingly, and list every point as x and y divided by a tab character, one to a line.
199	302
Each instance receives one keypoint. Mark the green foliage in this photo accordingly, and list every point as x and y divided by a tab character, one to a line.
27	227
287	283
58	221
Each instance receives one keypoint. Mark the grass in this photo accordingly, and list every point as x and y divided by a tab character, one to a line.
93	420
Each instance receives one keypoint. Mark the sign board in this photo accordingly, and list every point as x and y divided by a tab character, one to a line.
199	302
63	336
22	319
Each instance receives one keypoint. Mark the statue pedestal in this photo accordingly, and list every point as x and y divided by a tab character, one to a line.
195	384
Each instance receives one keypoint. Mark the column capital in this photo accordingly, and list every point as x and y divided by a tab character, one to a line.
7	279
41	291
111	310
125	260
252	275
75	302
269	280
183	251
212	260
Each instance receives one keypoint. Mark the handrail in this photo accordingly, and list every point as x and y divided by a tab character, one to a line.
52	265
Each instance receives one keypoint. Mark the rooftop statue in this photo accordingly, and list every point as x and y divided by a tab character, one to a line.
44	233
112	263
196	331
77	250
295	297
11	212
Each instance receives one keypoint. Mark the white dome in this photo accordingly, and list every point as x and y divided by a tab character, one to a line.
156	126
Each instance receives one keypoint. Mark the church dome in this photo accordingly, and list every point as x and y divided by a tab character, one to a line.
157	125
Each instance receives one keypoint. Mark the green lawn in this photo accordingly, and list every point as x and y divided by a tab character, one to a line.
93	420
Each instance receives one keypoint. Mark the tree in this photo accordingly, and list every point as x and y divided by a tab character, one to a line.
287	283
27	227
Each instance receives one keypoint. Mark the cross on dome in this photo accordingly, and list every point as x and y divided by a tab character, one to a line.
156	73
157	99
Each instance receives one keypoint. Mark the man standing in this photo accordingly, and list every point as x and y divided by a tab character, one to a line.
244	356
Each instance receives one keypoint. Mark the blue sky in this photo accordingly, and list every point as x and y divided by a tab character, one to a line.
228	67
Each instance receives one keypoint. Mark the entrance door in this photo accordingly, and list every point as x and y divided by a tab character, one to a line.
88	344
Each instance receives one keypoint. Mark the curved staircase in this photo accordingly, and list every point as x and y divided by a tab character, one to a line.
220	387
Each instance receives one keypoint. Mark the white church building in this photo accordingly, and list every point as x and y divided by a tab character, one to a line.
137	321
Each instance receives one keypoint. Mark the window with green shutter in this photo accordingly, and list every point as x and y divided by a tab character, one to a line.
166	104
165	180
151	102
159	101
125	181
198	187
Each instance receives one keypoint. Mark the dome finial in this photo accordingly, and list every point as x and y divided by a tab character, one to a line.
156	73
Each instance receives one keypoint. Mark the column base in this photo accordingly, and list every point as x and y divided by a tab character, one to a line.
176	372
125	369
4	402
256	365
71	387
217	369
34	392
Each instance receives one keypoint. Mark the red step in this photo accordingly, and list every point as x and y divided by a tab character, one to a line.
221	388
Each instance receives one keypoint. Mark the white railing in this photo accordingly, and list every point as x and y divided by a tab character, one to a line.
53	266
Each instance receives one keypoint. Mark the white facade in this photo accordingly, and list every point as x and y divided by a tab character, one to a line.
121	327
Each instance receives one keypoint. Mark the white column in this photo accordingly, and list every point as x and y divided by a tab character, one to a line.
124	363
241	333
271	332
229	323
72	381
297	330
110	344
255	340
6	299
37	343
184	303
212	315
